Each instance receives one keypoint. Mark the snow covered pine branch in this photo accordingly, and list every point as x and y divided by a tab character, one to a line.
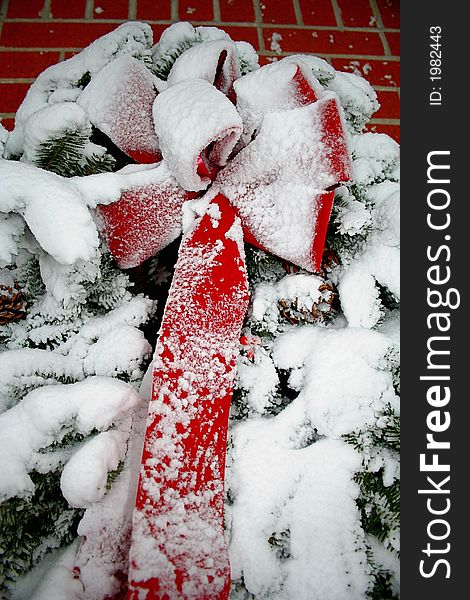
115	153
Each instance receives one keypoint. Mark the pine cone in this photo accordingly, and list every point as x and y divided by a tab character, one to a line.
330	260
11	304
318	312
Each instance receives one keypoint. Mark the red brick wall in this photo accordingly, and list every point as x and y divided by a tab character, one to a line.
354	35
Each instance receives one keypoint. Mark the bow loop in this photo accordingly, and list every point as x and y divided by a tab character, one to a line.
279	182
193	118
216	61
118	101
279	86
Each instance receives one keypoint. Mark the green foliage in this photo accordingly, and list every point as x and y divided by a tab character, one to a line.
31	528
109	289
30	280
262	266
162	66
65	156
382	589
113	475
84	80
379	504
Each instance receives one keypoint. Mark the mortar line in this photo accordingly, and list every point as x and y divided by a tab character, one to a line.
45	12
298	12
132	10
16	79
326	55
216	9
380	25
89	9
384	121
3	11
259	21
337	13
304	27
174	11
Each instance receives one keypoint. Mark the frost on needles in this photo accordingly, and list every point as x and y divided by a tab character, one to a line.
312	461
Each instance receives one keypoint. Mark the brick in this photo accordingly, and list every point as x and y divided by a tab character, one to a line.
377	72
318	12
277	11
326	41
393	40
157	31
53	35
245	34
153	10
19	9
357	13
12	95
392	130
237	10
111	9
390	12
389	105
8	123
26	64
64	9
195	10
267	60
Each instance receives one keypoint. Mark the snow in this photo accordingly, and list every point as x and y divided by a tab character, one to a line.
3	138
353	216
179	37
129	39
193	210
295	527
178	520
52	579
270	89
103	556
275	46
321	69
202	61
258	379
339	375
247	56
84	353
120	350
84	477
50	123
31	366
303	501
376	157
140	211
47	414
65	283
11	229
360	300
376	260
189	116
306	291
52	209
118	101
357	97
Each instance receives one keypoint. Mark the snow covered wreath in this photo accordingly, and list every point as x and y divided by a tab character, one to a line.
192	137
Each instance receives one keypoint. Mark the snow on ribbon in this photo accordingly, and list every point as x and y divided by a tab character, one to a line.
178	547
272	145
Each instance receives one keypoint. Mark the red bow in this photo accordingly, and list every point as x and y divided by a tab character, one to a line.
272	163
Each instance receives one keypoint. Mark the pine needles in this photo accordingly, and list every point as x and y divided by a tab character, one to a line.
65	156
